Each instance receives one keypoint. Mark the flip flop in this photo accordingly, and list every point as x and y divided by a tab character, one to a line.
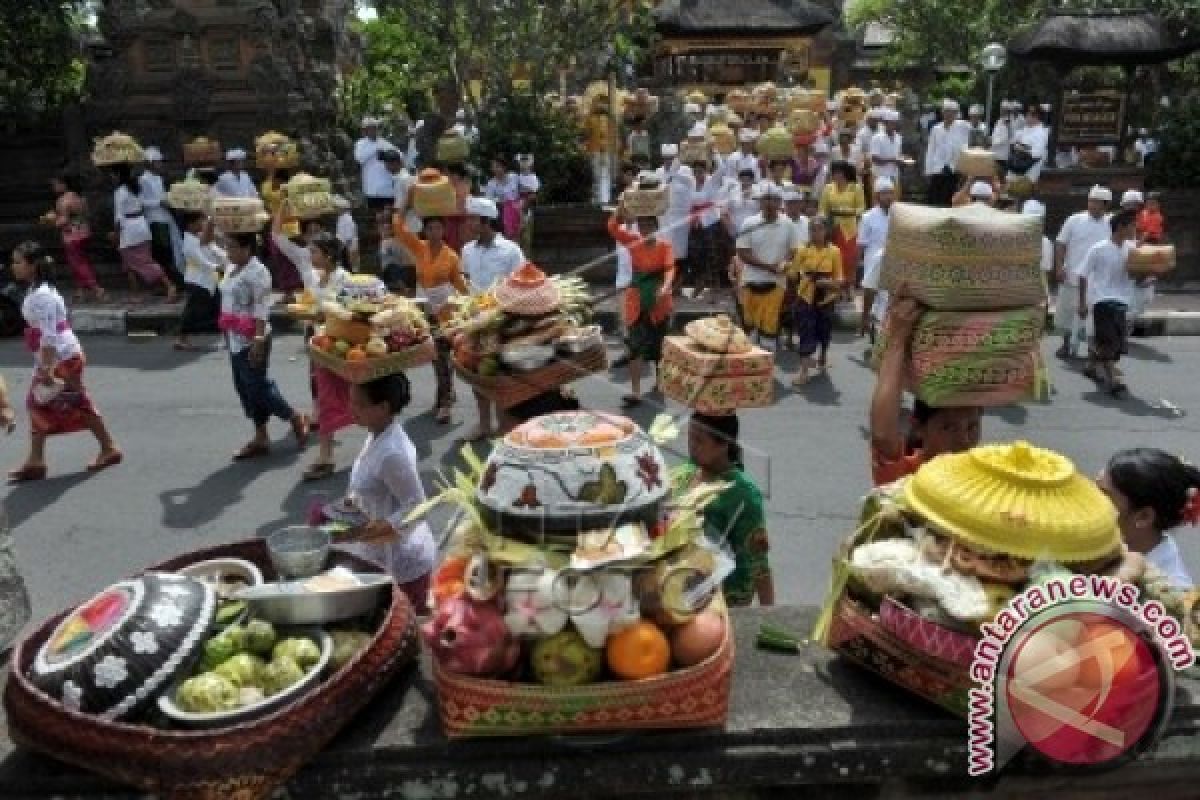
251	450
629	401
319	472
106	461
442	416
27	473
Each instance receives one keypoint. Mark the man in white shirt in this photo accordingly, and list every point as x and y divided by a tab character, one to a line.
744	158
1145	147
870	127
1106	292
981	193
378	185
1079	234
1033	139
872	238
677	177
979	131
487	259
167	240
1033	208
1002	135
235	181
766	245
346	230
946	141
886	151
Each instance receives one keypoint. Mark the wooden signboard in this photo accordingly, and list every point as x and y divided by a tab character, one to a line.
1092	118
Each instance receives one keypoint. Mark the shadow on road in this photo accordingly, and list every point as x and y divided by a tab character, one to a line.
1144	352
26	499
1130	405
192	507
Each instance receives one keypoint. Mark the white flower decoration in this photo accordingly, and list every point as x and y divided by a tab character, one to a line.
72	695
111	671
175	591
144	643
166	615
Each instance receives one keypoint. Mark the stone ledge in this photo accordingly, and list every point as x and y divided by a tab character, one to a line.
809	720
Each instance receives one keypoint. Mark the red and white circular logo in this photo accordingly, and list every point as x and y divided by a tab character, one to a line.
1084	687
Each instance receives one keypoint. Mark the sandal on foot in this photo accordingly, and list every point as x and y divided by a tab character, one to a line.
27	473
799	381
319	472
442	416
251	450
630	401
105	461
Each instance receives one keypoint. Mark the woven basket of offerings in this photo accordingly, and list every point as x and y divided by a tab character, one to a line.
116	148
239	214
776	144
434	195
1150	260
580	595
972	258
248	760
202	152
190	194
975	358
938	554
275	150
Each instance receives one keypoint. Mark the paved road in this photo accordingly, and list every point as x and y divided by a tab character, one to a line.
178	421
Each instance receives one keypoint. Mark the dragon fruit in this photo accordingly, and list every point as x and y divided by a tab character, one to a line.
470	638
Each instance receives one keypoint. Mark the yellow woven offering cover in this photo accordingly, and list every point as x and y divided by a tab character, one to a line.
1017	500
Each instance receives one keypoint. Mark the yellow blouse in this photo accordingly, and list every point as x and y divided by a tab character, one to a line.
812	262
846	207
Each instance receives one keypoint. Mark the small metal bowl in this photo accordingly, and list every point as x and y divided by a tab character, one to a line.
299	551
527	357
581	341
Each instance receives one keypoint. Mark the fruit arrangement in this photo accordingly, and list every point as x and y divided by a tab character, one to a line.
243	665
617	601
518	325
365	326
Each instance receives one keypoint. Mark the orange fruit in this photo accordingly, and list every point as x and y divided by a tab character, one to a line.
356	354
449	581
639	651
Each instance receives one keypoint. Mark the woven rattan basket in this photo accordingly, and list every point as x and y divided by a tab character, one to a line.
246	761
507	391
695	697
373	368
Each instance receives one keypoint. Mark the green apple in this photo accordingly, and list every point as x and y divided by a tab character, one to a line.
565	659
341	347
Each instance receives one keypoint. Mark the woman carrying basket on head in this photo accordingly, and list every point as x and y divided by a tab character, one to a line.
439	277
324	277
648	298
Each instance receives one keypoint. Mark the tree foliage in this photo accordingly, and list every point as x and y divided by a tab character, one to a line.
1176	165
523	124
941	33
41	67
392	72
503	43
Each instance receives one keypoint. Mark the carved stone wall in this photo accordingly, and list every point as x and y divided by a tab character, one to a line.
167	71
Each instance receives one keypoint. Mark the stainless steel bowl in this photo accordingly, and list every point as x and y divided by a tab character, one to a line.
299	551
582	340
291	604
527	357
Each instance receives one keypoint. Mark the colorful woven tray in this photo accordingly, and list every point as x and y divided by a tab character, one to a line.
696	697
507	391
366	371
246	761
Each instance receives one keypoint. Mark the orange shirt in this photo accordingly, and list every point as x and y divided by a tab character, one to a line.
1151	226
647	257
885	471
431	271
